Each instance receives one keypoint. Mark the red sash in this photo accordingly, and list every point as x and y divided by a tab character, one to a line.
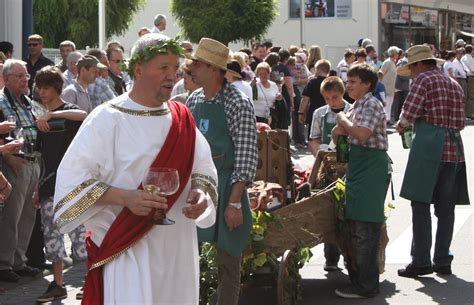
177	152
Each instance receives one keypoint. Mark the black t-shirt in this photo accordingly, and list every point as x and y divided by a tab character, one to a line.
53	146
254	61
32	69
279	72
316	100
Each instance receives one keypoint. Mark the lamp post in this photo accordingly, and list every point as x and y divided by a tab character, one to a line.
102	36
302	16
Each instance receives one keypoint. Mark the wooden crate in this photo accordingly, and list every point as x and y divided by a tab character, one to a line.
261	173
278	157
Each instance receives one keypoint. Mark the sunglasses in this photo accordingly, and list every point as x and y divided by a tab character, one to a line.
33	44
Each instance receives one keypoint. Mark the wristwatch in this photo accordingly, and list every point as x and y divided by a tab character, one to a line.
236	205
300	113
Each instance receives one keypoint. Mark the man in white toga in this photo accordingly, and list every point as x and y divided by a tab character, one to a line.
132	261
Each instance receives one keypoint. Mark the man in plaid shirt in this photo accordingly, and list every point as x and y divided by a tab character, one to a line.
22	171
226	118
436	172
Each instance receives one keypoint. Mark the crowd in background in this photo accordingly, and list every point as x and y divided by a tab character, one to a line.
284	84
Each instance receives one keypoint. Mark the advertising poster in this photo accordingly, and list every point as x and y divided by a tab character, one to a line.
322	9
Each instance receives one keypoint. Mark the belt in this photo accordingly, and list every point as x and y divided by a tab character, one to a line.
27	158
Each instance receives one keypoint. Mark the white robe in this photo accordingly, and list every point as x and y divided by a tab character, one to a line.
116	148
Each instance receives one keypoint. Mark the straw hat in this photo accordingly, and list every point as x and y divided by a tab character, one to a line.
416	54
212	52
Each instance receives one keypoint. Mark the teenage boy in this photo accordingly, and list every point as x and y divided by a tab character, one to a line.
366	180
311	98
53	145
324	118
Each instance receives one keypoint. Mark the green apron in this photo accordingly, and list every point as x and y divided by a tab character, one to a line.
366	184
212	122
423	164
326	130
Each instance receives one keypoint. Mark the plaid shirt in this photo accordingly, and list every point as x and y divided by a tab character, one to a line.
23	115
241	121
438	100
368	112
100	92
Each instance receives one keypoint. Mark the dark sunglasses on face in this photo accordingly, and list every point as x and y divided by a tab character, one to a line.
33	44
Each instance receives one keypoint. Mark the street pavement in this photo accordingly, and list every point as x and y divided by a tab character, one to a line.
317	285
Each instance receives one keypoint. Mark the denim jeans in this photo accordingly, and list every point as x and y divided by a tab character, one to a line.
363	265
445	196
421	244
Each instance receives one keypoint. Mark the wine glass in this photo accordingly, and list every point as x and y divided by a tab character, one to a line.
164	182
10	119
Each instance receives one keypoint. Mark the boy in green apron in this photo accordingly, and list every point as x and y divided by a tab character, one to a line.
366	180
324	120
436	169
226	118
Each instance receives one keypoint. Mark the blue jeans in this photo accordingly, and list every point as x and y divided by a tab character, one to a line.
363	265
421	244
445	196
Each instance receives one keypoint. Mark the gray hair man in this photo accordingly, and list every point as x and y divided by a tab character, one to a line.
71	73
65	48
160	24
22	171
389	70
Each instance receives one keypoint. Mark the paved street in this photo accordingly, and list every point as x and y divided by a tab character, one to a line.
318	285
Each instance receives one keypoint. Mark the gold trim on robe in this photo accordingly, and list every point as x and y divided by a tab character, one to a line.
205	183
81	205
159	112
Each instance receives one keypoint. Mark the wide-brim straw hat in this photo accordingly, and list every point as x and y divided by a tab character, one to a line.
416	54
212	52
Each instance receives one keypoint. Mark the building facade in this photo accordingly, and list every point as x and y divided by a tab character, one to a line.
334	25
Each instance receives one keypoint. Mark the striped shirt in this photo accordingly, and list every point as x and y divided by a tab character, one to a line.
438	100
241	122
368	112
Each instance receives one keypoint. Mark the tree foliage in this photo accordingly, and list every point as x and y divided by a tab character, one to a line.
77	20
224	20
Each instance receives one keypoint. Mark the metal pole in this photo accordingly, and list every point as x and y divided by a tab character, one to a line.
27	24
102	37
302	29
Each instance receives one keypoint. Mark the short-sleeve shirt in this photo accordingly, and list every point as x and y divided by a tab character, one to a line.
53	146
316	100
368	112
22	111
317	124
77	95
32	69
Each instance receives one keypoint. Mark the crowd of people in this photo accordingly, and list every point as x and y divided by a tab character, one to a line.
79	136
